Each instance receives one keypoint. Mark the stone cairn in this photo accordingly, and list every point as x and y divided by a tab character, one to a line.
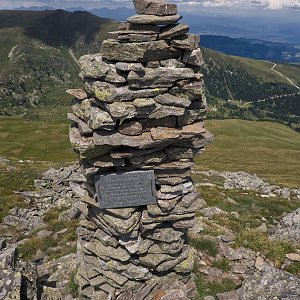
142	109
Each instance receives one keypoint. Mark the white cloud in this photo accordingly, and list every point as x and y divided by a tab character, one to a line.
184	4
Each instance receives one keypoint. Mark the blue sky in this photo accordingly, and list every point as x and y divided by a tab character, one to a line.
185	5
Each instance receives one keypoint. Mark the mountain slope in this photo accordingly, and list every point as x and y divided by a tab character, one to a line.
246	88
37	57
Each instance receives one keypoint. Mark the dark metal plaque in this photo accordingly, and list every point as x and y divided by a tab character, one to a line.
126	189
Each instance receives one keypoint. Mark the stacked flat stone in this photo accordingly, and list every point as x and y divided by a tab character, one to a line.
142	109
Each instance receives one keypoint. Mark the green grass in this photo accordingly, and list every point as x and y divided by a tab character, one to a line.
270	150
294	268
16	177
259	242
34	140
212	288
222	264
209	246
260	68
30	247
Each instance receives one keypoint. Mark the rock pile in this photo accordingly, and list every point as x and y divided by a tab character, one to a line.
58	188
142	109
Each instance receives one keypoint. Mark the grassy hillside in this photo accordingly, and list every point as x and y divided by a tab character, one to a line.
268	149
245	88
37	55
34	140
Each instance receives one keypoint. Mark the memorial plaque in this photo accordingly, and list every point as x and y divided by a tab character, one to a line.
126	189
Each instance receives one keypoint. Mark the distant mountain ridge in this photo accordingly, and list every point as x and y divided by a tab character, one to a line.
40	49
251	48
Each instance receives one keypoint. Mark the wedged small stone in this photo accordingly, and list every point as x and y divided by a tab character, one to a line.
121	110
152	158
193	57
129	36
105	239
164	133
153	261
149	222
186	265
155	7
175	188
169	121
78	93
82	126
99	119
122	226
113	76
179	209
131	127
126	67
78	106
174	152
170	180
93	66
122	213
138	52
153	64
184	224
144	246
169	99
131	244
191	116
192	91
127	152
118	279
158	77
173	30
199	142
172	63
104	161
164	111
170	264
175	165
171	248
115	225
144	102
186	41
138	27
107	92
167	235
189	199
127	270
100	250
154	20
80	143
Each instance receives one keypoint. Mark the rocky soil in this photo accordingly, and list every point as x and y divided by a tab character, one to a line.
225	267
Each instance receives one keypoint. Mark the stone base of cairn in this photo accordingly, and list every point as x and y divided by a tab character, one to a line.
142	109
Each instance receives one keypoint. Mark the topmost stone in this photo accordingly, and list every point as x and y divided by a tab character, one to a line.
155	7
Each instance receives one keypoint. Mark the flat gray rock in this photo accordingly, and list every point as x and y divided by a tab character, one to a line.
173	30
154	20
158	77
138	52
186	41
270	283
289	227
